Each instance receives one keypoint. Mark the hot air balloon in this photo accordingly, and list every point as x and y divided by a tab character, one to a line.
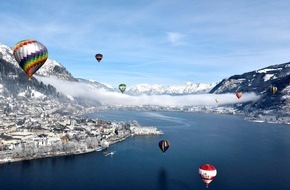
122	88
164	145
99	57
239	95
207	173
273	89
217	100
30	55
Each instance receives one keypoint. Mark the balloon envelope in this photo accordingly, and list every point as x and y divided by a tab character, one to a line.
273	89
207	173
239	95
30	55
122	87
99	57
164	145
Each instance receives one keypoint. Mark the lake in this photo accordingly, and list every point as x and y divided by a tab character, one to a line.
247	156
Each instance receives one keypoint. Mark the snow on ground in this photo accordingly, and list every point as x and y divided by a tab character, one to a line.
34	94
268	77
266	70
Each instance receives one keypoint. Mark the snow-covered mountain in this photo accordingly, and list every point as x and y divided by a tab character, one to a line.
6	54
50	68
257	81
187	88
14	83
95	85
53	68
54	81
260	81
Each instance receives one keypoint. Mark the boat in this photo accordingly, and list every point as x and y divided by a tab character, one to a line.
110	153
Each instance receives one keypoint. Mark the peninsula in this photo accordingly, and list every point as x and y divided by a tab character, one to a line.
58	135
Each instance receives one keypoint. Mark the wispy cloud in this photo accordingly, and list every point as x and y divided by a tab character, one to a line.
175	38
227	37
116	98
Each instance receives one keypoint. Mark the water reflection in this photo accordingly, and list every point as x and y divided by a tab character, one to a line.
162	179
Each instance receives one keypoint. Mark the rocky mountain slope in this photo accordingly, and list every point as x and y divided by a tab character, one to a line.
14	83
260	81
54	69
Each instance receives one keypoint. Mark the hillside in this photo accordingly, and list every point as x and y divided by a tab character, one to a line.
260	81
55	83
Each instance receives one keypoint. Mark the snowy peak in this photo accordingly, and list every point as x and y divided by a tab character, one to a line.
49	68
95	85
53	68
273	72
255	81
156	89
259	82
6	54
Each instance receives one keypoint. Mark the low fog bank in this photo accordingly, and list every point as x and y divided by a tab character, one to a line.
77	89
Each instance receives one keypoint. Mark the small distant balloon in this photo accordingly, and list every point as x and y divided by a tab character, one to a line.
273	89
30	55
207	173
99	57
122	88
239	95
164	145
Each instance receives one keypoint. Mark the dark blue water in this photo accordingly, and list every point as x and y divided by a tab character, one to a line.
248	156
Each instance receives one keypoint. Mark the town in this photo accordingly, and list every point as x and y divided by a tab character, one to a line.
40	128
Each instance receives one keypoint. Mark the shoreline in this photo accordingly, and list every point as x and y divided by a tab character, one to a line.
62	154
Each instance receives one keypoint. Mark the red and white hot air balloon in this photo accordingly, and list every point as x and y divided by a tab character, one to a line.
207	173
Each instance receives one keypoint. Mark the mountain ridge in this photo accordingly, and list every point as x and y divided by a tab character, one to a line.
258	81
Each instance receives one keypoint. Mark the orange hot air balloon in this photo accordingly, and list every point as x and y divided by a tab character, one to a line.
239	95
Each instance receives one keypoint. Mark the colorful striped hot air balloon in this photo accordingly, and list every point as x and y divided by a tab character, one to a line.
30	55
164	145
207	173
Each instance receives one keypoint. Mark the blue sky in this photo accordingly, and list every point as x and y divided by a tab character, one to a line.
153	41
